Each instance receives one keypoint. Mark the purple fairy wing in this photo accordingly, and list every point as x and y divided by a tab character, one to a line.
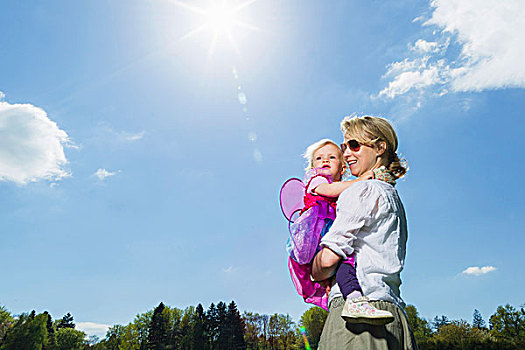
292	198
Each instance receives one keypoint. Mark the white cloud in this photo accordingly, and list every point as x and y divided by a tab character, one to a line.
101	173
424	46
477	271
415	74
126	136
91	328
229	269
2	95
491	38
106	134
31	145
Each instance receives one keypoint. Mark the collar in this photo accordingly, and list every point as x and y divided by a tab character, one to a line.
383	174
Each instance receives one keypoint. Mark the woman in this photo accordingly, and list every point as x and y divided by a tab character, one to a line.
370	222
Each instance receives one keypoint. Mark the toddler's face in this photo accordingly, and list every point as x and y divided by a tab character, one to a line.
329	157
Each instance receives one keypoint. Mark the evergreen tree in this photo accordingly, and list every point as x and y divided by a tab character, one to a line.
222	336
6	321
199	336
234	328
440	321
212	326
66	322
51	343
477	320
158	337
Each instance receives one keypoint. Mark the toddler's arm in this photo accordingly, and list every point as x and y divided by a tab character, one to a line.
336	188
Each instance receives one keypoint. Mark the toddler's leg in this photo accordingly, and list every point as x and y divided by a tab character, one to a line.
357	308
347	280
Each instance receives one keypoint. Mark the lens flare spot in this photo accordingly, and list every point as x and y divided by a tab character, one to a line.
242	98
257	155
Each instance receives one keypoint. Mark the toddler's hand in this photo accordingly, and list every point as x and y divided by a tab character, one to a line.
367	176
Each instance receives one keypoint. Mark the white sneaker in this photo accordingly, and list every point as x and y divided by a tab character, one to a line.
358	310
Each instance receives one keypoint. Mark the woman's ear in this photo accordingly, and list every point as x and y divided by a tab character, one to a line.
380	148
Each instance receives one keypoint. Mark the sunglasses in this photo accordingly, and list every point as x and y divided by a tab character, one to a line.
352	144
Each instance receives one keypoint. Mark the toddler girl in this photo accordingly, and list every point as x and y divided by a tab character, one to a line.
323	186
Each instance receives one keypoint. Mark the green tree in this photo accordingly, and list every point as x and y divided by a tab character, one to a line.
114	337
186	329
51	342
66	322
255	332
212	325
508	323
281	332
222	339
158	337
6	322
313	321
420	326
68	338
199	336
28	333
134	336
477	320
439	322
460	335
234	327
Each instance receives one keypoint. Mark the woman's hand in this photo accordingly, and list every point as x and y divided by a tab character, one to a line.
325	264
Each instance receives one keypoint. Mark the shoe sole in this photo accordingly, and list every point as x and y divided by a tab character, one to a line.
378	321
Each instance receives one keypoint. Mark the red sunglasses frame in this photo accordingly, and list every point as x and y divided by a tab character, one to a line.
354	146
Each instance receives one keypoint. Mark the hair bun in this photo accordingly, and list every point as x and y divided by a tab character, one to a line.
398	167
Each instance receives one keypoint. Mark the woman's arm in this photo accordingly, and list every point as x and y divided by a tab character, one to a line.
325	264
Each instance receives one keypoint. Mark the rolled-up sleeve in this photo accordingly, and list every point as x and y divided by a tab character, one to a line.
355	207
316	181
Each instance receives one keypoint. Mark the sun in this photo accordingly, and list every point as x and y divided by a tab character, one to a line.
222	18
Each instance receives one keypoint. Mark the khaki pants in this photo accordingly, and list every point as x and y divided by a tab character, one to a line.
338	334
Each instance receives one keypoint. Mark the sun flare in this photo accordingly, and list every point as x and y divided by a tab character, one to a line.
221	18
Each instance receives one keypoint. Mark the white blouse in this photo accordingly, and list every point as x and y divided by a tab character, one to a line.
371	223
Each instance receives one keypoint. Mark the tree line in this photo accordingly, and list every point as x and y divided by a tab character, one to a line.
505	330
223	327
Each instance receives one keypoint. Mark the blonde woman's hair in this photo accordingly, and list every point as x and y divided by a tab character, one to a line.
371	131
314	147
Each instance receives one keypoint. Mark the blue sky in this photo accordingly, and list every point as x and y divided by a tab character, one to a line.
139	164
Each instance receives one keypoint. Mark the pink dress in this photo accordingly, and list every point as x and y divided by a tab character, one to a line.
316	218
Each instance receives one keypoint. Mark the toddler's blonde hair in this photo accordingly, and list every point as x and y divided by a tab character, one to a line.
314	147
